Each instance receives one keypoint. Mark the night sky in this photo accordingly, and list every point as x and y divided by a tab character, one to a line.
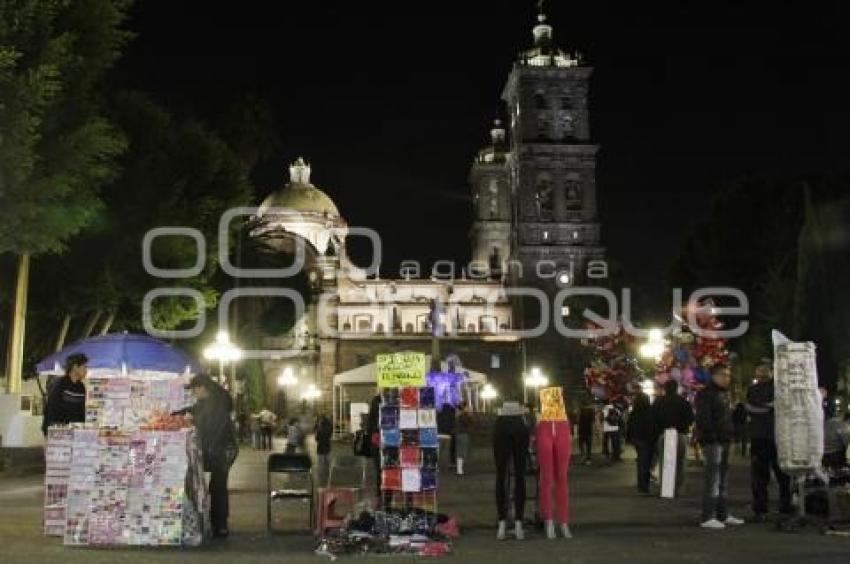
390	101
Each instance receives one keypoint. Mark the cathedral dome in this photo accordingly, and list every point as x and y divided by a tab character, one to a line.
300	195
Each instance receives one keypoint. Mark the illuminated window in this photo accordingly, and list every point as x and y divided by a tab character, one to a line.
565	311
495	361
545	235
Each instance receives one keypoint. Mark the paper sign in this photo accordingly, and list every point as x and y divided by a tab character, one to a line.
396	370
668	464
552	405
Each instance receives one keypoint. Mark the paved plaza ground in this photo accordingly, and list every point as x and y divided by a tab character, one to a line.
611	523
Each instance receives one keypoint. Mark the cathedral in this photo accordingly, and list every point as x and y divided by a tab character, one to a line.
534	229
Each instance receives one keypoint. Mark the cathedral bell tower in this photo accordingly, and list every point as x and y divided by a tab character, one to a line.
552	164
552	168
491	194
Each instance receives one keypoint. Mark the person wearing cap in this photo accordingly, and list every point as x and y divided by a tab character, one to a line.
66	397
217	437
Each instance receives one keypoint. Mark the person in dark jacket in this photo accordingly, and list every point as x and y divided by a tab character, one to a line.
672	411
446	426
323	432
211	415
739	420
763	455
66	397
640	432
714	432
586	418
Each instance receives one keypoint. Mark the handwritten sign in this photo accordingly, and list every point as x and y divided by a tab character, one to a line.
401	369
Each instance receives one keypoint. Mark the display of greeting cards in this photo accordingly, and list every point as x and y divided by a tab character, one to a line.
126	487
57	457
129	401
552	405
409	449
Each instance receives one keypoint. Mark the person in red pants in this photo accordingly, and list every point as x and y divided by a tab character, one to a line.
554	449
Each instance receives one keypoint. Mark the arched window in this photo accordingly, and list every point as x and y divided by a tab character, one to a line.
408	327
572	195
470	328
380	328
539	101
346	326
543	198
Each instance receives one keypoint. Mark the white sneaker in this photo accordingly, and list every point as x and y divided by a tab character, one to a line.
730	520
518	531
550	530
500	534
712	524
565	532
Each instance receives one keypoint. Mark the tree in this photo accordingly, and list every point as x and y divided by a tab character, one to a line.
57	149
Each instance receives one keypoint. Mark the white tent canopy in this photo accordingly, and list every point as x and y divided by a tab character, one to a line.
366	375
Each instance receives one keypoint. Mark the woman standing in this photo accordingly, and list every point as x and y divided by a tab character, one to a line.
640	432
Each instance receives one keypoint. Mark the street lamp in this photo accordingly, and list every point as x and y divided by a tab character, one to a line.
223	351
286	380
311	394
654	347
488	393
535	380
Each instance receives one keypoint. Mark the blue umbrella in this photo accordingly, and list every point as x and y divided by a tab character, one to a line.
120	351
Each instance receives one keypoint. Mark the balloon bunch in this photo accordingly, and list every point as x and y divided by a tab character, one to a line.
692	352
613	372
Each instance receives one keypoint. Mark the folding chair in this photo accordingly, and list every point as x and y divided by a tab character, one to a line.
289	465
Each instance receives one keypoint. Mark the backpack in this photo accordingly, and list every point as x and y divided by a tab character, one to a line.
613	417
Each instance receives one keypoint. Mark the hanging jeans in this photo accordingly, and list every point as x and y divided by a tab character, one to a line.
554	445
510	444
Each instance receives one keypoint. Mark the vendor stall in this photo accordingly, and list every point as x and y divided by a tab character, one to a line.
132	473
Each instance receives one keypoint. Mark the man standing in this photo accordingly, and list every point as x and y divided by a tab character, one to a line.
714	431
672	411
586	418
217	437
66	397
763	456
612	419
267	421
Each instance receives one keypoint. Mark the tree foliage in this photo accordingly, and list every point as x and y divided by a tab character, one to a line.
57	149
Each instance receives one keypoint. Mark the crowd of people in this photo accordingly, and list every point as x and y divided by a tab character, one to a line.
711	427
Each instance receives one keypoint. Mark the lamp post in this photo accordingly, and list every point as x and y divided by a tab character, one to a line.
654	347
535	381
222	351
311	394
286	380
488	394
